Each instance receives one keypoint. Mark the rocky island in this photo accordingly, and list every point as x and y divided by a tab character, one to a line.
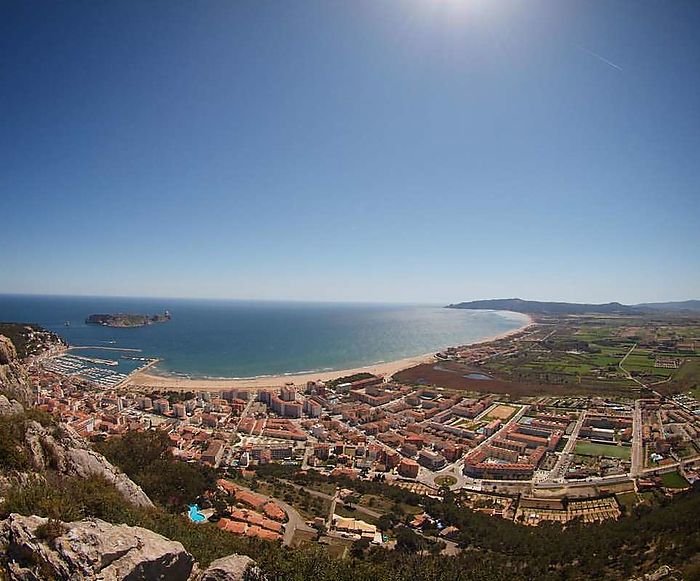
127	319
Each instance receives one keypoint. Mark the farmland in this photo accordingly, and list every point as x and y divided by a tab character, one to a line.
577	355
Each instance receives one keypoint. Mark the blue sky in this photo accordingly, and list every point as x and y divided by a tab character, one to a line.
407	150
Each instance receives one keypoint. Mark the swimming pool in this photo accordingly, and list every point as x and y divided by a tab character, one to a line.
195	515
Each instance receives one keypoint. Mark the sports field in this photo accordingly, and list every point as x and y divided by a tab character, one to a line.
501	412
590	449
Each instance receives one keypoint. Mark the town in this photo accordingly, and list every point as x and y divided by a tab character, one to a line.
529	459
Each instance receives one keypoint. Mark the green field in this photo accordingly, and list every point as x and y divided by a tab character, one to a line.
688	376
353	513
445	480
642	361
629	500
673	480
607	450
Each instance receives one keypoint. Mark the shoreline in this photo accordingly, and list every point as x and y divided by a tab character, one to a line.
143	379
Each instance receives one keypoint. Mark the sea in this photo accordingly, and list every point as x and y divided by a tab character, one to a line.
242	339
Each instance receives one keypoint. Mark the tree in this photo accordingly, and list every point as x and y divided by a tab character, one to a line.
358	548
385	522
407	541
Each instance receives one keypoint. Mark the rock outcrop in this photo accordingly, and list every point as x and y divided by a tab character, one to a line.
8	353
90	549
231	568
10	407
67	453
13	376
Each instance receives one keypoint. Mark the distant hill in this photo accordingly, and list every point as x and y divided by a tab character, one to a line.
673	306
559	308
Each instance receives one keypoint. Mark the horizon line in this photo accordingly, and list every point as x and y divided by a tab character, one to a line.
327	301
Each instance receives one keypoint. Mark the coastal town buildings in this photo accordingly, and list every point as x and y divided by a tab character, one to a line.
495	452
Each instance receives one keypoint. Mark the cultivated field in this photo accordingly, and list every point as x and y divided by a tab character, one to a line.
609	356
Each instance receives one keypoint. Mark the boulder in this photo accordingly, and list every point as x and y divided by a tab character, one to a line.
90	549
231	568
10	407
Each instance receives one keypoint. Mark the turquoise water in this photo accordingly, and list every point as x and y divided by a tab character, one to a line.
208	338
195	515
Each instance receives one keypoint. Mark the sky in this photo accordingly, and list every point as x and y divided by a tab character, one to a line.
400	151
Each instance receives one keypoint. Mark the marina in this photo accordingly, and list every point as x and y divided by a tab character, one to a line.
97	370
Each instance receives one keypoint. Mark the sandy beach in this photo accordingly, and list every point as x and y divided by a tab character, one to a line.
387	369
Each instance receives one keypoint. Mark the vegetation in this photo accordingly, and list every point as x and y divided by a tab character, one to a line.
493	548
29	339
315	480
582	355
446	480
51	530
13	453
605	450
349	378
126	319
673	480
498	549
145	457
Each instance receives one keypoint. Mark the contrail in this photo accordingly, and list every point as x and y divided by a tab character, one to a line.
600	58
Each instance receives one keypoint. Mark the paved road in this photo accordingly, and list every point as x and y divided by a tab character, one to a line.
557	473
244	413
637	441
451	548
456	468
333	500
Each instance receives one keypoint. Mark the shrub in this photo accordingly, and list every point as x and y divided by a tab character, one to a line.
51	530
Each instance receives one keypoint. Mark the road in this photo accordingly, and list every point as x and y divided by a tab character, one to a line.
637	440
456	468
333	498
451	548
557	473
251	401
629	375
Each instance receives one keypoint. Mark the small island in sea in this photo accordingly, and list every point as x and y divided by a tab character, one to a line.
127	319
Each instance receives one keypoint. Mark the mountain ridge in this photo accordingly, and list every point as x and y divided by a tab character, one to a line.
563	308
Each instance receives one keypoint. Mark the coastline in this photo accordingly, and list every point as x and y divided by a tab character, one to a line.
143	379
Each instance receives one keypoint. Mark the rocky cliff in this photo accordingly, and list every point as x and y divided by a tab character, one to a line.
36	549
33	548
68	454
13	377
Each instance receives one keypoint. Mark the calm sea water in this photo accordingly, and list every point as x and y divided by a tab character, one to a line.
210	338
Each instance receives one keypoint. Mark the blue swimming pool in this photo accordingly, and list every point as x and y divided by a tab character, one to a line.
195	515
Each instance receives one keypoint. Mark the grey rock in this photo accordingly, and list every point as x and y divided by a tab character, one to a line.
10	407
8	353
231	568
91	549
67	453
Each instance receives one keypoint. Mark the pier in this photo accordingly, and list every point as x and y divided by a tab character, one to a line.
126	349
